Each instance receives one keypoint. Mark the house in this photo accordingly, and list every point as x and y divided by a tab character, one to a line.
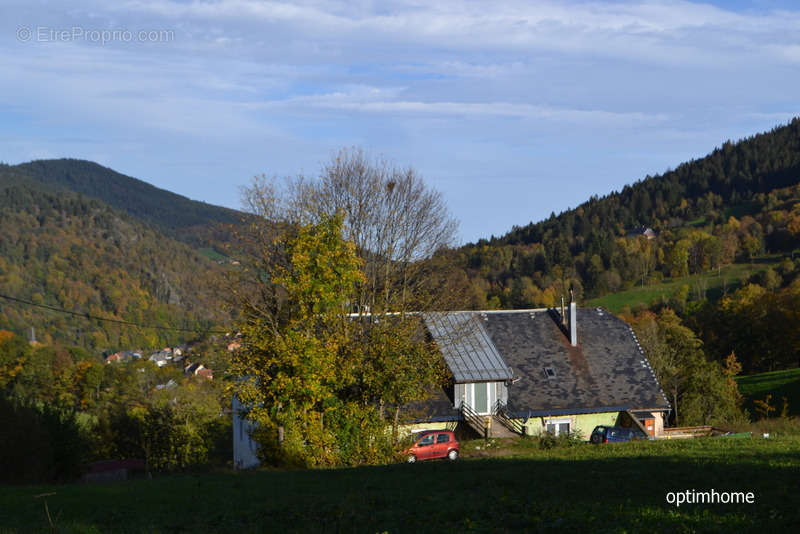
206	373
192	368
643	231
162	357
114	358
170	384
534	371
125	356
525	372
198	369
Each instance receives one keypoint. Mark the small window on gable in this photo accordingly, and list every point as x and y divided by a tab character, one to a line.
549	372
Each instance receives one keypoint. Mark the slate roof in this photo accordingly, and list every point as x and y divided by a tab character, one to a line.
467	347
438	407
606	371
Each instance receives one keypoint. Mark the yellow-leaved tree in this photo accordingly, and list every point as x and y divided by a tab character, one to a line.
332	276
315	378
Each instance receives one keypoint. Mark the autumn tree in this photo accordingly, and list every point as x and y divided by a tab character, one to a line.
399	231
317	379
698	389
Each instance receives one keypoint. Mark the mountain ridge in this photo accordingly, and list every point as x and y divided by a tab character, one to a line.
191	221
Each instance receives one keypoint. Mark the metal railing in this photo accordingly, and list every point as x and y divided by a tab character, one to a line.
475	421
502	415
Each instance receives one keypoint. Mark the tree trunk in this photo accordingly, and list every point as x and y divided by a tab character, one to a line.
675	405
396	423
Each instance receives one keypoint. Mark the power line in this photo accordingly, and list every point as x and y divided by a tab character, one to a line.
108	319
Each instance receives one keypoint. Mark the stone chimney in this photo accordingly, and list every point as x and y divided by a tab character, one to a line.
573	319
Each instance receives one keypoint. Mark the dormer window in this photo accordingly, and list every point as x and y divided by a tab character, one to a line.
549	372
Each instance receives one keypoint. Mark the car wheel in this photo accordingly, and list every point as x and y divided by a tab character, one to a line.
411	459
452	455
595	438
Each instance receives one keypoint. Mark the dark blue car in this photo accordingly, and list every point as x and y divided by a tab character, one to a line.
612	434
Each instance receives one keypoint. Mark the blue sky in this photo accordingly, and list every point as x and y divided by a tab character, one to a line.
511	111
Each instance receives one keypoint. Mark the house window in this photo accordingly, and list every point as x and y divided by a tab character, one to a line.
549	372
558	427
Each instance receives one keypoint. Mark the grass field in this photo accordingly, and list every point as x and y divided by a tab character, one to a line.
585	488
777	383
212	254
728	279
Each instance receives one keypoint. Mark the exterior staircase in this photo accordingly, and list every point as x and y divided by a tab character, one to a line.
497	429
514	427
475	421
496	425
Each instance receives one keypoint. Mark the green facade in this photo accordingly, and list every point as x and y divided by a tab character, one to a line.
582	423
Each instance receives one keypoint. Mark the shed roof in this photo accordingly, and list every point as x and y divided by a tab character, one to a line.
466	346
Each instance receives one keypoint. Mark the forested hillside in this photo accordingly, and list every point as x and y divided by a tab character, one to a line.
738	205
739	201
65	250
177	216
66	242
730	177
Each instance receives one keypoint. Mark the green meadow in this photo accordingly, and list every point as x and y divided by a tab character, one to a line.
780	384
713	285
509	486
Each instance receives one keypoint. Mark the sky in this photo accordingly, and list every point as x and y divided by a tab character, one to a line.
512	109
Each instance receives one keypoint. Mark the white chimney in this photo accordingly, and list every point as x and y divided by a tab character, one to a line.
573	319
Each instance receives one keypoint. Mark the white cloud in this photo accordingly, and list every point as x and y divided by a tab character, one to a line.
671	32
372	100
247	82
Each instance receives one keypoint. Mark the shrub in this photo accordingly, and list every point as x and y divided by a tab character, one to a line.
546	440
39	443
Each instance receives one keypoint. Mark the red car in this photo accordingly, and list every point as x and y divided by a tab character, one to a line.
431	444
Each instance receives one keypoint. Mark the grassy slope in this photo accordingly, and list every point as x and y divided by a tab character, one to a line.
617	488
777	383
729	278
212	254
